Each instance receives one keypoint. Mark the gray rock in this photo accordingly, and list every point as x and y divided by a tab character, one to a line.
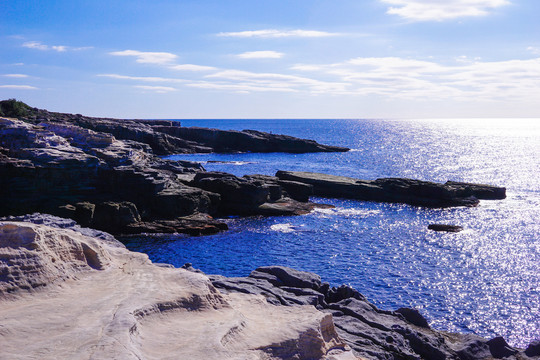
408	191
371	332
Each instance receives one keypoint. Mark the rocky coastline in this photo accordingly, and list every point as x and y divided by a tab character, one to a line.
96	176
78	293
111	175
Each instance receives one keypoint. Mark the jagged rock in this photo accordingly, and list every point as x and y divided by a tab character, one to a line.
76	297
500	349
371	332
413	316
115	216
533	349
408	191
115	162
250	195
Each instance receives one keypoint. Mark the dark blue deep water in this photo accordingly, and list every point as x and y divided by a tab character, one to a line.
483	280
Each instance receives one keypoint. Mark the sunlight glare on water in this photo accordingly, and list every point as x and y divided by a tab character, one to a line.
483	280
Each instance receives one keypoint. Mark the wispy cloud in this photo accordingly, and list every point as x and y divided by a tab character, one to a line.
274	82
141	78
18	87
420	79
439	10
17	76
59	48
534	50
274	33
192	67
146	57
261	55
158	89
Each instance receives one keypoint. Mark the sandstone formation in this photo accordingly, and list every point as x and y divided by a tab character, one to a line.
65	295
397	190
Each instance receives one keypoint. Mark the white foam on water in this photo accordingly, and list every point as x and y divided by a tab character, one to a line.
347	212
284	228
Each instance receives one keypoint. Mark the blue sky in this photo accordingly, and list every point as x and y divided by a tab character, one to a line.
273	59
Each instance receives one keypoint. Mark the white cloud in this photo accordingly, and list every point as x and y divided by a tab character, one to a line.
141	78
18	87
420	79
36	45
261	55
534	50
145	57
439	10
192	67
275	82
59	48
240	87
19	76
273	33
158	89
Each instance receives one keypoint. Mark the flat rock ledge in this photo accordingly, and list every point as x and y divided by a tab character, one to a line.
66	295
396	190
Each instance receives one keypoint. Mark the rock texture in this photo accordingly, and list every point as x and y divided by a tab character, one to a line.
371	332
398	190
64	295
104	173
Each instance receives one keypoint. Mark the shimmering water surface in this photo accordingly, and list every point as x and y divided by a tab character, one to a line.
484	280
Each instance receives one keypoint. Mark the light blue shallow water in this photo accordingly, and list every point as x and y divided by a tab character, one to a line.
483	280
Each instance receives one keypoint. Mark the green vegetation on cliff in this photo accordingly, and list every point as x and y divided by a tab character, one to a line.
13	108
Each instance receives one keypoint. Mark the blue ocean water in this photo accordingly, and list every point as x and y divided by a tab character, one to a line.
483	280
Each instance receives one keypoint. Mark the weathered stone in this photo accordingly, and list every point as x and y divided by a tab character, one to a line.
408	191
371	332
413	316
499	348
128	308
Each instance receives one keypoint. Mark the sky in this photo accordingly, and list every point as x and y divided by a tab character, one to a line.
193	59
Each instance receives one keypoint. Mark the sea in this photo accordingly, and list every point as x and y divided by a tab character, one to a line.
484	280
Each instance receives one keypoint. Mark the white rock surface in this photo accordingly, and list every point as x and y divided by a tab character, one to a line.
64	295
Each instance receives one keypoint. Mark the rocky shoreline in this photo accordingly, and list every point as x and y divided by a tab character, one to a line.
109	174
95	299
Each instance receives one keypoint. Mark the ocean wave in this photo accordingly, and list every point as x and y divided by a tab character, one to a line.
284	228
236	163
346	212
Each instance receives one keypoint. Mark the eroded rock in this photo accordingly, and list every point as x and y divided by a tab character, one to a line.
79	298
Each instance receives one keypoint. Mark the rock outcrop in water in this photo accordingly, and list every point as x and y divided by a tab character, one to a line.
65	295
396	190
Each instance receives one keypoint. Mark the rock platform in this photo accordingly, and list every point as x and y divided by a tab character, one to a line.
396	190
